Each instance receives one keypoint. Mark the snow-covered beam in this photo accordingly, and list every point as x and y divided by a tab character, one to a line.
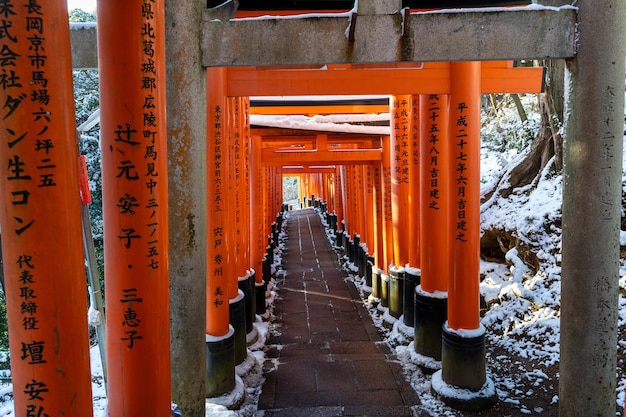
531	32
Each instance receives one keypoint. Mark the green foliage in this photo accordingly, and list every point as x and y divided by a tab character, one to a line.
87	100
290	188
81	16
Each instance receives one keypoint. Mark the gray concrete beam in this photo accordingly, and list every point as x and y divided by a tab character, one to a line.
481	34
84	45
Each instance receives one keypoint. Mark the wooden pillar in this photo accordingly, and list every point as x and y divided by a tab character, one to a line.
245	174
378	214
339	193
464	168
220	365
134	197
463	362
218	292
386	206
359	197
414	214
368	207
347	214
237	170
435	203
41	215
592	192
400	157
187	144
257	233
330	191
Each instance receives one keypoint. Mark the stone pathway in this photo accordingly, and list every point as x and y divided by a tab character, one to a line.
325	355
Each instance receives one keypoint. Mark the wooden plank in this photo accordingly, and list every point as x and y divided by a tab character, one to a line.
434	78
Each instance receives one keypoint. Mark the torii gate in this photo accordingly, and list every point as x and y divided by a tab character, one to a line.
595	117
530	33
429	79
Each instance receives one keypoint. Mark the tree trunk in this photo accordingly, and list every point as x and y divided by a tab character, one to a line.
547	144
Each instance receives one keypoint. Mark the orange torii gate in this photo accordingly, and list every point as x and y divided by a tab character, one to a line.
462	359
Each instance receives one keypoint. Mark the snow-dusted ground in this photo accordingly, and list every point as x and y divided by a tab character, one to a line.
522	317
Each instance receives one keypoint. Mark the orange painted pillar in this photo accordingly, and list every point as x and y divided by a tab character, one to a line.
361	193
435	203
237	302
388	237
378	240
400	157
412	272
245	174
257	235
368	206
377	188
463	362
238	182
278	190
218	292
220	334
347	214
431	295
328	186
414	215
463	285
231	198
368	211
131	39
265	196
41	215
400	193
339	200
361	238
327	191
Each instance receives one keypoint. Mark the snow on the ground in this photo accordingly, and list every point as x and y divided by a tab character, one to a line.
522	317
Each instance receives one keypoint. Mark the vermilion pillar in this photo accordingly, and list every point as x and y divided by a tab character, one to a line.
414	215
412	271
386	206
257	234
233	268
245	174
464	169
463	363
220	374
368	207
131	39
41	214
339	200
377	188
400	161
400	192
435	202
347	214
217	173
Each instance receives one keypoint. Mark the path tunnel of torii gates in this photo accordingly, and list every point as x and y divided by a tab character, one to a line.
192	191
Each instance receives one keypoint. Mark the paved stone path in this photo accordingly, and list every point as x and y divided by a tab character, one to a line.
331	360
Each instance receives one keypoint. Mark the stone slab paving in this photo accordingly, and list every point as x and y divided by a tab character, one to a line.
331	359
